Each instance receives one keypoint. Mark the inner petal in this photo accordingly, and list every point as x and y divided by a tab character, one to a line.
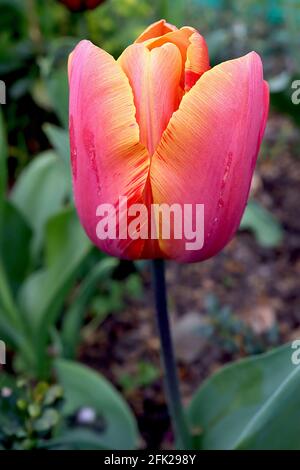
154	76
159	28
194	53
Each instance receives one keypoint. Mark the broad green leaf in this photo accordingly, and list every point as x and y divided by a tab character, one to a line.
59	139
263	224
251	404
74	317
40	192
65	239
8	332
78	439
6	299
40	95
84	387
43	293
15	245
58	91
15	338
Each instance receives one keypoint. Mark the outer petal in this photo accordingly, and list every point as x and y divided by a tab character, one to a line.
107	158
159	28
154	77
208	152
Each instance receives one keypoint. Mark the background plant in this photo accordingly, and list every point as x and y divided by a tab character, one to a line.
55	288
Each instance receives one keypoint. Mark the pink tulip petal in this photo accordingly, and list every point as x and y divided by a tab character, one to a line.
208	152
107	158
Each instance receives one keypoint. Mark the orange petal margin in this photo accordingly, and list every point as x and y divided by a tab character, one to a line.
159	28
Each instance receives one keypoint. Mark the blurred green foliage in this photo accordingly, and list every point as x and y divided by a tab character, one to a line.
54	286
145	375
267	230
29	414
83	412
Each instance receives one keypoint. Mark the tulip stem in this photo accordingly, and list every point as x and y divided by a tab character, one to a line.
182	435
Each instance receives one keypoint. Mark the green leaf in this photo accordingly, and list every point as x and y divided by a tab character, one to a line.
74	317
14	259
34	410
78	439
58	91
8	332
59	139
40	192
146	374
48	420
16	236
251	404
64	236
44	291
6	299
53	394
85	388
263	224
15	338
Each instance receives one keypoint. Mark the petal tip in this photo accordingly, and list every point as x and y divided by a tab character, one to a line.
155	30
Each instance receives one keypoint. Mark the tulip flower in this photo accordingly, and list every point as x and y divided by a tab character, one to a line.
160	126
81	5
